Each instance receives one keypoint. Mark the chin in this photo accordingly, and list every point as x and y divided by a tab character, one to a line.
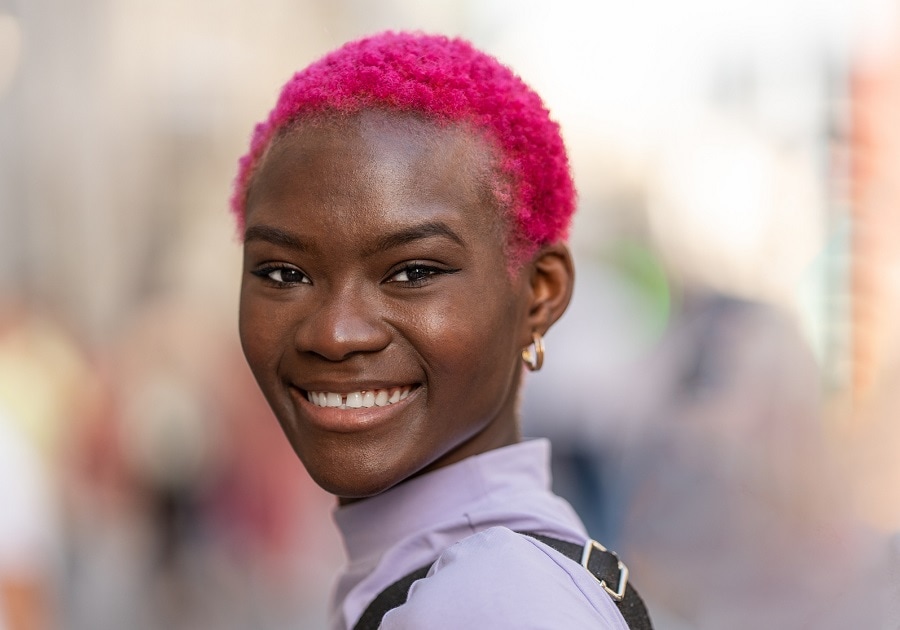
355	477
349	488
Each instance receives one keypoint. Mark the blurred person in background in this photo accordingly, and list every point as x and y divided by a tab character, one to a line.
404	210
27	537
44	385
731	452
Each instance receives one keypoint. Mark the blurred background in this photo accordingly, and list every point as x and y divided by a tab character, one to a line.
730	363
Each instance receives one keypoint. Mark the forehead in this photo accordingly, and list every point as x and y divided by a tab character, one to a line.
379	154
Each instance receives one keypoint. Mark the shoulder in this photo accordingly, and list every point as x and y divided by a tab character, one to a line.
500	579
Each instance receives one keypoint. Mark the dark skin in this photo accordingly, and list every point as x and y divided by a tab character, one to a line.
374	262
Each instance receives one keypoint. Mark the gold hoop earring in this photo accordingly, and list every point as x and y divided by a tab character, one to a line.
534	359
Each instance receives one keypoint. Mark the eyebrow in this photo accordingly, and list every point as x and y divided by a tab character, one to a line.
275	236
414	233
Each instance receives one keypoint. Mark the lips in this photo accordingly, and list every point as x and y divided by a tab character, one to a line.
352	411
362	399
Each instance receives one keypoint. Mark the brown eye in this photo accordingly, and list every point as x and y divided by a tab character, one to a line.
415	273
282	275
418	274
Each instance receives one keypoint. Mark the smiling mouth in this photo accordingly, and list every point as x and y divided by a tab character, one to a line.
363	399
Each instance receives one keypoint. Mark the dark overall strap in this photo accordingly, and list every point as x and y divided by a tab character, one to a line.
606	567
602	564
388	599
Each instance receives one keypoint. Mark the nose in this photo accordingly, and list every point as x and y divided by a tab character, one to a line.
342	324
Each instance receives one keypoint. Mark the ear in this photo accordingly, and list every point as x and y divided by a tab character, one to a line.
552	276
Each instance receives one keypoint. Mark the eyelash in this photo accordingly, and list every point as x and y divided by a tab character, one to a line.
430	272
266	274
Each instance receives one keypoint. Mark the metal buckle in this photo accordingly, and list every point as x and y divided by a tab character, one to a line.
619	593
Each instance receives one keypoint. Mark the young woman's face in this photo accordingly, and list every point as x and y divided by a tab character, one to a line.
377	311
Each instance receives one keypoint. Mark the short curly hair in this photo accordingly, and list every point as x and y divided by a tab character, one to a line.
448	81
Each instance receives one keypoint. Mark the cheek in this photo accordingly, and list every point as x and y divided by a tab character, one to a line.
261	337
475	343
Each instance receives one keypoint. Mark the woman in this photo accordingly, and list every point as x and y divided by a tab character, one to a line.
403	211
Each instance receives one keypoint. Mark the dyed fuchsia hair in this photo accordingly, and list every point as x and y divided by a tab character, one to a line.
448	81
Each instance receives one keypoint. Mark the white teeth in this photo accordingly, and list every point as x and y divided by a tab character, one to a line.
355	400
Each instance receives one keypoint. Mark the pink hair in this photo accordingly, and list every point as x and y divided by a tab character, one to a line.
447	80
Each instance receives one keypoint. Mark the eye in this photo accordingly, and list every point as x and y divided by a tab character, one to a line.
282	275
417	274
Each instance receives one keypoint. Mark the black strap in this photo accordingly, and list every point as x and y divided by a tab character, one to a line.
388	599
603	565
